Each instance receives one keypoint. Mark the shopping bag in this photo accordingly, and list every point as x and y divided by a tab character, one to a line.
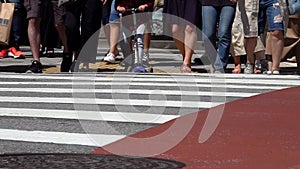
6	17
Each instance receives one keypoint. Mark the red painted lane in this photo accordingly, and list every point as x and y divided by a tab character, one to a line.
257	132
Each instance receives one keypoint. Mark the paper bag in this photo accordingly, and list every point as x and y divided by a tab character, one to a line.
6	16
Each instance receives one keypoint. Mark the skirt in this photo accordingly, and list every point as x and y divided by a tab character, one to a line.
188	10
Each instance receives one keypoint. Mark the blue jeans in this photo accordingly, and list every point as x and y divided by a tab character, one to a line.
17	23
270	10
211	17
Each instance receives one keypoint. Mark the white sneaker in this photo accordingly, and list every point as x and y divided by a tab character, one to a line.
249	69
110	58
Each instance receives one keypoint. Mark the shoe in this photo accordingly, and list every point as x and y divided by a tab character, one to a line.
218	72
292	59
110	58
117	53
275	72
145	59
249	69
66	62
49	53
185	69
269	72
35	67
72	67
3	53
17	54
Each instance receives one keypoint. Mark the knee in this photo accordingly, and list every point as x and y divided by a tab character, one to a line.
189	29
60	27
175	29
34	21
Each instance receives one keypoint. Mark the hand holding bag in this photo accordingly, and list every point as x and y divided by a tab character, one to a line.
6	17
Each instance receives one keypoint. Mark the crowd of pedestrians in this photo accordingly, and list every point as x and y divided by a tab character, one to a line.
255	29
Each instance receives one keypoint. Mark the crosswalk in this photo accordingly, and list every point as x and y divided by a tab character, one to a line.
95	109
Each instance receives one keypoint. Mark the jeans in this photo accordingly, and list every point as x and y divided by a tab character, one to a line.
211	17
114	14
272	11
17	23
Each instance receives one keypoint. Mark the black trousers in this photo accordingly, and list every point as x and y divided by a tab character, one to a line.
83	20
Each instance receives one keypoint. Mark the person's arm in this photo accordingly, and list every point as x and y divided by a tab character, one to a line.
104	1
119	6
148	4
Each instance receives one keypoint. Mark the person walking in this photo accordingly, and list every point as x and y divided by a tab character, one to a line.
217	20
34	9
184	31
82	21
275	12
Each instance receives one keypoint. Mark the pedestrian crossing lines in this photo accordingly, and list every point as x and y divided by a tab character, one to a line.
97	109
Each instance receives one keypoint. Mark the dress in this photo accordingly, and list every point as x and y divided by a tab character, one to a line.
186	9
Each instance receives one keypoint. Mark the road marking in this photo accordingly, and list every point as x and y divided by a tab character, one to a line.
59	137
124	84
88	115
125	102
129	91
216	79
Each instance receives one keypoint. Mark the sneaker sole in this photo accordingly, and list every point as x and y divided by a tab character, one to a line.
109	61
15	57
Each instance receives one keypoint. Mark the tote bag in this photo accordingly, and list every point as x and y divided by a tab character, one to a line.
6	16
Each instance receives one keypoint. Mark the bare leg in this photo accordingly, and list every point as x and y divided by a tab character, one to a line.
61	29
178	36
237	62
106	29
189	44
250	44
34	36
277	48
147	39
114	37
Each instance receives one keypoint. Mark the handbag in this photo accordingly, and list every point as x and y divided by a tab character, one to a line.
6	16
294	7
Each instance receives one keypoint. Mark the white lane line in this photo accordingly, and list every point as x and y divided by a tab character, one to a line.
59	137
179	80
126	84
125	102
88	115
129	91
188	77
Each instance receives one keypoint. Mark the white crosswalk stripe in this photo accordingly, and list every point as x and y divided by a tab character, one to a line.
58	105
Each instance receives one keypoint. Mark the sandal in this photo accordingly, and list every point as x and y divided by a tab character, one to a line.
237	69
185	69
50	52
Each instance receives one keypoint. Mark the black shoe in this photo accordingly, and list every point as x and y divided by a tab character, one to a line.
35	67
66	62
72	67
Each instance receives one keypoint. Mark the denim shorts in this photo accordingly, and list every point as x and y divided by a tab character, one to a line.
272	10
114	14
